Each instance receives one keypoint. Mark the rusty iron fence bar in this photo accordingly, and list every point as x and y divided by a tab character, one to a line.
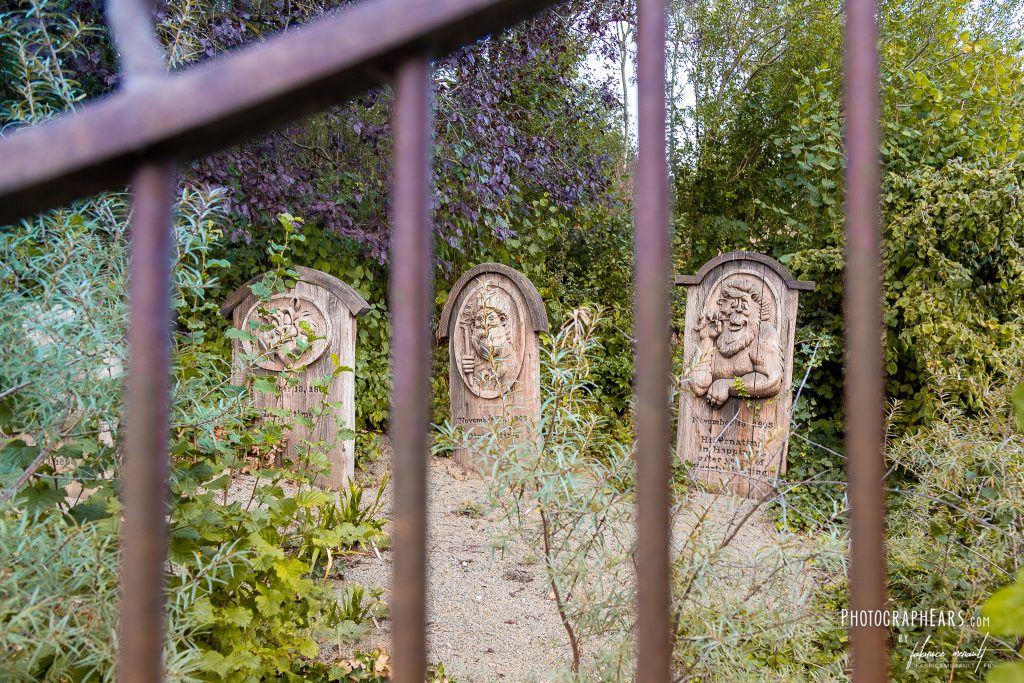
144	475
865	390
227	100
131	28
147	390
652	356
411	302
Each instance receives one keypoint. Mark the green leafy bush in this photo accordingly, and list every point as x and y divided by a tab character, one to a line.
243	600
1005	610
59	597
955	526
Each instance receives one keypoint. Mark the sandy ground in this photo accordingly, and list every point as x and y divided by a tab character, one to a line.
491	614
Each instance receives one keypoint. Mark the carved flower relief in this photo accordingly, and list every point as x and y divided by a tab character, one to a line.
286	331
488	343
739	346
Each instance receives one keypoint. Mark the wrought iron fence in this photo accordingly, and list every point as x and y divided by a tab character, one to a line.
157	120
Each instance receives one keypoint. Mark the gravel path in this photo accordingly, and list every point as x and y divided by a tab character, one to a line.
491	614
489	617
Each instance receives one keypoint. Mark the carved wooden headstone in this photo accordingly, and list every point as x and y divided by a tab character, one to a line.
491	320
735	398
328	307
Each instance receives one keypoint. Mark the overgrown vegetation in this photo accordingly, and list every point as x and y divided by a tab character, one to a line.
245	588
532	168
246	595
957	528
759	166
748	603
568	491
758	159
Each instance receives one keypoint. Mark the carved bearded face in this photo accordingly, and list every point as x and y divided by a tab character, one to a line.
490	333
737	317
488	345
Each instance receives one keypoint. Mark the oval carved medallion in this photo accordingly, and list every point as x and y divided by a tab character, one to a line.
489	339
283	324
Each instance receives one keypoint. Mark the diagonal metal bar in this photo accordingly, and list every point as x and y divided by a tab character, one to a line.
652	356
225	101
411	301
865	389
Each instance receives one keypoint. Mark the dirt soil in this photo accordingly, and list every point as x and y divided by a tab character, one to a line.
491	616
488	614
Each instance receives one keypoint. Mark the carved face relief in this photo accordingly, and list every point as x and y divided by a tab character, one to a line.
285	328
739	347
488	341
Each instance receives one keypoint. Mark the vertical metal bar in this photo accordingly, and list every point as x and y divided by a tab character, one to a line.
147	396
131	25
865	387
652	355
411	303
144	533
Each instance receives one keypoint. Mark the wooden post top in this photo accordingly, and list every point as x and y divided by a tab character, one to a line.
791	282
355	303
537	313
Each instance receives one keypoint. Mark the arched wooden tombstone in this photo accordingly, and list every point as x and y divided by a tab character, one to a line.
329	307
735	399
491	320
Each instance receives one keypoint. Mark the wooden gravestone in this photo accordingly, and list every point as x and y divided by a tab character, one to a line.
491	320
735	398
329	307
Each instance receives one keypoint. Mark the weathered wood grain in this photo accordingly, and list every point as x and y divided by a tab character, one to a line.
315	298
735	399
493	307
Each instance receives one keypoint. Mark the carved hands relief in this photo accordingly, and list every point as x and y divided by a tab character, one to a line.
739	348
290	332
488	344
